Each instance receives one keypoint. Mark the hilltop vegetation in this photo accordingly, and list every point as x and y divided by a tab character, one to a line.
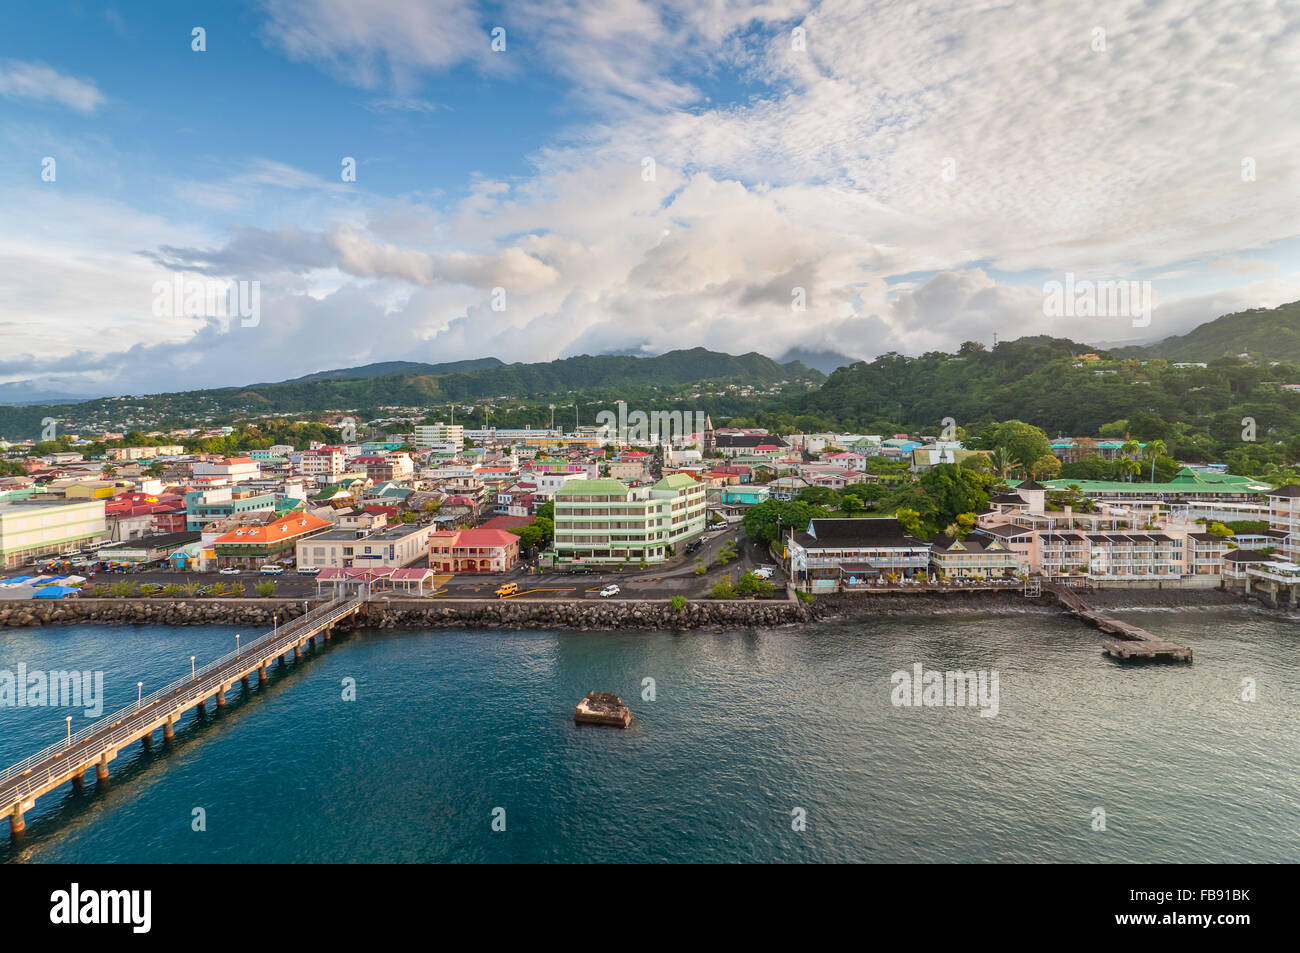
1197	412
1265	334
592	380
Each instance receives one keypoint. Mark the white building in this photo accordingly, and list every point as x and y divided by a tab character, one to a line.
428	436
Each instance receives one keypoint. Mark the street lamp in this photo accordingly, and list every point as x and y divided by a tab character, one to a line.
139	693
191	666
236	643
68	719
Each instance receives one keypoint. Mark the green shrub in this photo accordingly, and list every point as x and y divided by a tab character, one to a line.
678	602
265	589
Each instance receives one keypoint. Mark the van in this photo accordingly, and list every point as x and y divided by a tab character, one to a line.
509	589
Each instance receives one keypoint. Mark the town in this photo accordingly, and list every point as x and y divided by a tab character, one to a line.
432	509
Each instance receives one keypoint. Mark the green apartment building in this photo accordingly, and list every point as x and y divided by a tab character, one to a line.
605	522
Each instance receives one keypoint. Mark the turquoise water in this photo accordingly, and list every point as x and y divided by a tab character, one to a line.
746	727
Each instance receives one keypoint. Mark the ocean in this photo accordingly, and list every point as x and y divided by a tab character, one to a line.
781	745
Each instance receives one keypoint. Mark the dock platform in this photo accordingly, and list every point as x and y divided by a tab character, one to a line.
1131	642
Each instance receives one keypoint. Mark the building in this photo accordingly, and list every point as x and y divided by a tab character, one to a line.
251	546
232	470
120	454
607	522
323	462
975	557
436	435
384	468
38	526
473	551
388	546
831	554
1284	516
209	506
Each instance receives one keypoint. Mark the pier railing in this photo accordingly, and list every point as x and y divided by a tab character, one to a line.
203	679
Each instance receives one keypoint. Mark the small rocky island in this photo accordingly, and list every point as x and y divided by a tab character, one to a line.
602	709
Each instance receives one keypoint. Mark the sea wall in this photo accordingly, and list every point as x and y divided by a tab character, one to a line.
417	613
585	614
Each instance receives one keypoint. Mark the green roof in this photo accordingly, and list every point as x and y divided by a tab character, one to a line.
675	482
592	488
1182	483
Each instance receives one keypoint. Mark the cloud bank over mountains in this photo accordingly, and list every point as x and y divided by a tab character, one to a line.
911	173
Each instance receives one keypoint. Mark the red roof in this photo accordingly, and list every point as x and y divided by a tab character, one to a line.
507	522
475	538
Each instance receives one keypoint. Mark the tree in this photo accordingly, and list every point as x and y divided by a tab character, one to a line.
1155	449
760	520
1045	467
1021	442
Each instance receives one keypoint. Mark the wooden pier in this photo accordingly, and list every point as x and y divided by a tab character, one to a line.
99	743
1131	642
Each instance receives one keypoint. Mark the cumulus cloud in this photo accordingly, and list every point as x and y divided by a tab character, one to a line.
911	175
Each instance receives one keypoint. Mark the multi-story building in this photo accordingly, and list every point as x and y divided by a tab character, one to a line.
473	550
1284	516
34	526
607	522
842	553
431	435
209	506
116	454
324	463
975	557
383	468
232	470
250	546
389	546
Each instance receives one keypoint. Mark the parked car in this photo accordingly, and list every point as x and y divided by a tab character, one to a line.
230	571
271	570
763	573
309	570
609	591
509	589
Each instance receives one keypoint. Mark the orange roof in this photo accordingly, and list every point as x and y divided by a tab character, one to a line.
286	527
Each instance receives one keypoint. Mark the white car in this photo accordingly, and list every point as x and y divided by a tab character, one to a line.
230	571
272	570
763	573
609	591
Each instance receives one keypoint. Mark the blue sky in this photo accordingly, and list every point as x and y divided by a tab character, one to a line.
912	175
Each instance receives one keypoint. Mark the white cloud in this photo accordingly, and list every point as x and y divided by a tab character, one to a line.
41	83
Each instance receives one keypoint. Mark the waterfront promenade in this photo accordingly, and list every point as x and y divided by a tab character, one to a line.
99	743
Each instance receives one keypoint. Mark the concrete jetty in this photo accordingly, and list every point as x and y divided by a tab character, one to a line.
99	743
1130	642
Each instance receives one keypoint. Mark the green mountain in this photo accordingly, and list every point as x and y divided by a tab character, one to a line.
394	368
1271	334
585	378
1198	412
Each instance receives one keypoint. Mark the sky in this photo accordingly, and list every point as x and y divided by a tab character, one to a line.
535	180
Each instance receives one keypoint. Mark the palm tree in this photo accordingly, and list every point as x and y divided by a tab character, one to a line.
1129	469
1155	448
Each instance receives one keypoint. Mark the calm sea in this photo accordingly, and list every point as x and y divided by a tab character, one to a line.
750	735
